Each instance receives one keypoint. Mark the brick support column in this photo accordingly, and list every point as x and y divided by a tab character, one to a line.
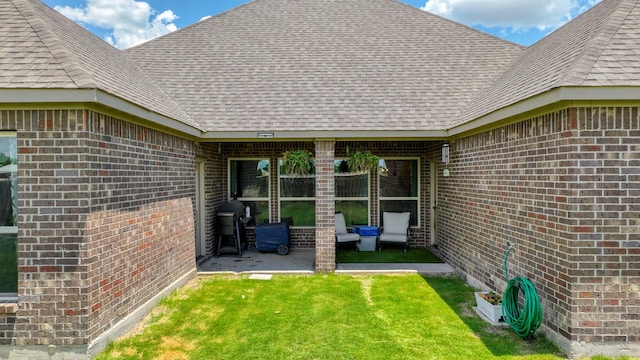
325	206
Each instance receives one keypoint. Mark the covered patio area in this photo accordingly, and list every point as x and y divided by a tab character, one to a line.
254	173
302	261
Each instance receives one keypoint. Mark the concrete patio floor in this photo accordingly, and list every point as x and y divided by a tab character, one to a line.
301	261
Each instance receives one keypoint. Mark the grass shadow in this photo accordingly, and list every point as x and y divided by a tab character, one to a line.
500	341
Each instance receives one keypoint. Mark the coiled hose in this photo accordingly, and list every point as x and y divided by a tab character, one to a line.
523	320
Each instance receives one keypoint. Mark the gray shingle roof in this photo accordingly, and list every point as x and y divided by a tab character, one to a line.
25	59
321	65
618	63
40	48
332	65
599	48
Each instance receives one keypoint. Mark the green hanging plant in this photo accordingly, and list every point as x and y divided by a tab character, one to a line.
360	161
297	162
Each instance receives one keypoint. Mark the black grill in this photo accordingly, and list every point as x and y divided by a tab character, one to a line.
231	230
235	207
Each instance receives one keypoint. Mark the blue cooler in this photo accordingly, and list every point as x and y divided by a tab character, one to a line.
368	237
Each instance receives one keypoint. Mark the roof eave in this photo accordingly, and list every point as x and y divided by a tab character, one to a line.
547	99
96	97
324	134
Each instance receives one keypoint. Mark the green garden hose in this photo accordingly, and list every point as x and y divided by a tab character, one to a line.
523	320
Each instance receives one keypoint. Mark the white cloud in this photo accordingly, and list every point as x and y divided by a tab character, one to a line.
521	15
131	22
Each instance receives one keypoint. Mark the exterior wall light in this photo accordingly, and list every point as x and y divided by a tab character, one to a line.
445	153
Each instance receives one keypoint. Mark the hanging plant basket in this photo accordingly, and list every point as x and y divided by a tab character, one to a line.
362	161
298	162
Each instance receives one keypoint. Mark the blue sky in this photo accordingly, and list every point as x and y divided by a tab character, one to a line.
125	23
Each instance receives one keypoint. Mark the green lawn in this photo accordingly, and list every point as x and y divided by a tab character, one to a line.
324	317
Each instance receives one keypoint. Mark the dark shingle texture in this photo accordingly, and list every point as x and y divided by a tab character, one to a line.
40	48
331	65
599	48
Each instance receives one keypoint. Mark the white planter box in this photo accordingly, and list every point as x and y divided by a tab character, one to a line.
492	312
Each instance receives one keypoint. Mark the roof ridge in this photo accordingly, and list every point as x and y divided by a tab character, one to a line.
195	24
453	22
318	64
461	25
160	88
566	57
595	47
67	60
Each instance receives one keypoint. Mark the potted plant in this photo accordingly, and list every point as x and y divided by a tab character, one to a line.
362	161
297	162
489	303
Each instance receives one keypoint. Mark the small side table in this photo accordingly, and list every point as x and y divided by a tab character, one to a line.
368	237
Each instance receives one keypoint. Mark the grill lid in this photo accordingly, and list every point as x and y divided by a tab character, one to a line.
234	206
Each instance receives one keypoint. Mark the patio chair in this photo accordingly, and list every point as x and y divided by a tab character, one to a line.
342	235
395	229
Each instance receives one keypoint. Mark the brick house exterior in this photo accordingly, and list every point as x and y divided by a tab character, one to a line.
123	157
86	263
562	187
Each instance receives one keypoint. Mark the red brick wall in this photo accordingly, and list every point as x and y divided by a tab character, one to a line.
564	188
325	206
214	187
140	229
105	221
52	205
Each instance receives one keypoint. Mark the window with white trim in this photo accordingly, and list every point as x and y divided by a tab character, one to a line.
297	197
8	214
249	181
351	193
399	187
